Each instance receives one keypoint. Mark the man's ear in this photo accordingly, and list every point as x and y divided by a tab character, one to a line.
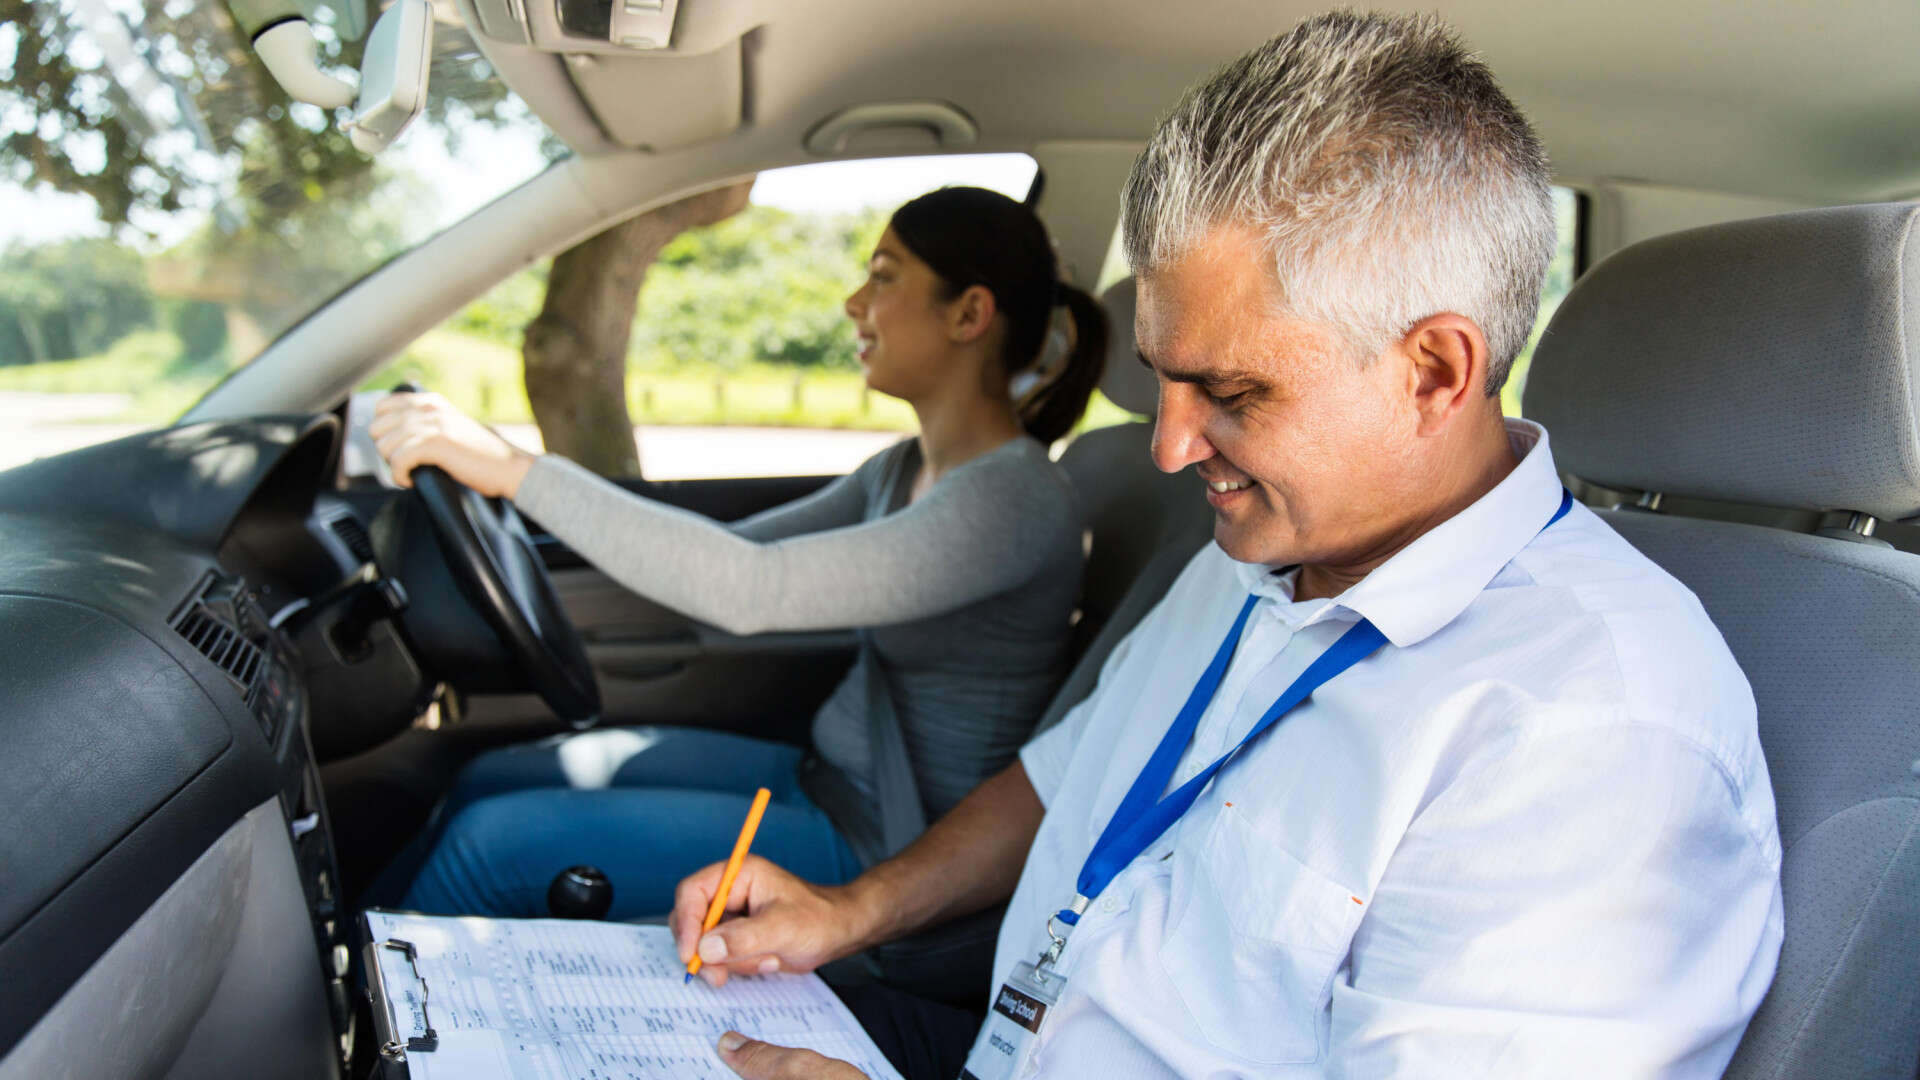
970	314
1447	360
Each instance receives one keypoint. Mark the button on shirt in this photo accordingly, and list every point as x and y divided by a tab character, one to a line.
1533	835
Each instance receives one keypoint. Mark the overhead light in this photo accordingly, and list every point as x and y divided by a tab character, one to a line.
645	25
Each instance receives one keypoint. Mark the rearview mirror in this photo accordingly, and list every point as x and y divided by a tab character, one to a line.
393	75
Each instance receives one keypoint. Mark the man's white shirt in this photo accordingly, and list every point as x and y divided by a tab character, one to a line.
1533	835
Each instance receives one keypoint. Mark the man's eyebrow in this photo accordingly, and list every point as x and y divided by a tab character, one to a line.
1216	377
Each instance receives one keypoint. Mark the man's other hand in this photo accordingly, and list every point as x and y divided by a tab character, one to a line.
763	1061
776	922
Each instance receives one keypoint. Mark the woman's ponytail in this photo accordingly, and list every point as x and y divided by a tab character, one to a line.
1056	406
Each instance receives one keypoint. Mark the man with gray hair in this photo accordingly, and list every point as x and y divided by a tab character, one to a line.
1419	769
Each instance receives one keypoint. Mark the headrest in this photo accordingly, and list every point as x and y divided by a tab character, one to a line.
1768	362
1126	382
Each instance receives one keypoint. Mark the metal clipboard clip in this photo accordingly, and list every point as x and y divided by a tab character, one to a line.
391	1045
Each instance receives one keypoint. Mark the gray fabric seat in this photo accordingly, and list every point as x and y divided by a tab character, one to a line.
1143	526
1773	363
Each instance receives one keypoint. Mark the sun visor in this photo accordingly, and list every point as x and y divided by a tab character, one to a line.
656	74
661	102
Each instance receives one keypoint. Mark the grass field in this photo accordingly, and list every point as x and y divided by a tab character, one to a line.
483	377
145	368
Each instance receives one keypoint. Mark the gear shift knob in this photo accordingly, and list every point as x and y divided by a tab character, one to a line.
580	892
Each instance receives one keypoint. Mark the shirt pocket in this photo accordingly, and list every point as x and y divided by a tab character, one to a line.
1256	941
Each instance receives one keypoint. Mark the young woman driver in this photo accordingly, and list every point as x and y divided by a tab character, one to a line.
956	553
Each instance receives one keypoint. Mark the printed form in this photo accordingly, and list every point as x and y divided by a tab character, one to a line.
556	999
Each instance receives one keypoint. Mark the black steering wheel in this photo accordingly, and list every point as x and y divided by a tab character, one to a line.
494	560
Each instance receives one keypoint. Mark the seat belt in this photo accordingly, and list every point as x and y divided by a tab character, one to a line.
903	817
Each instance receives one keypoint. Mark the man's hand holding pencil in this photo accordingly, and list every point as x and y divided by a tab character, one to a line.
773	922
781	923
747	916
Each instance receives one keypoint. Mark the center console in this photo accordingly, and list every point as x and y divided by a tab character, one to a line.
228	624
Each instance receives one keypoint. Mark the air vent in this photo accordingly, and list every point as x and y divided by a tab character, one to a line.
208	622
223	645
354	535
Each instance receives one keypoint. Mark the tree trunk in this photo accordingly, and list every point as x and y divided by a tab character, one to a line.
576	350
36	342
246	336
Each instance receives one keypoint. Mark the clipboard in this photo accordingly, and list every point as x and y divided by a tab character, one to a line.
395	1040
468	997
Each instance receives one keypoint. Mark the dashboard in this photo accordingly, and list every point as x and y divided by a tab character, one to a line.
184	617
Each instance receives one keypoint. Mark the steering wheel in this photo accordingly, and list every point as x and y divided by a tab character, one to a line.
487	547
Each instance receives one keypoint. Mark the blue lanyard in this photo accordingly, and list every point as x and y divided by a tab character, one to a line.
1143	816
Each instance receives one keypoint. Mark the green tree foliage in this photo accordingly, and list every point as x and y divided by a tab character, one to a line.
166	112
76	298
236	198
503	314
767	285
40	316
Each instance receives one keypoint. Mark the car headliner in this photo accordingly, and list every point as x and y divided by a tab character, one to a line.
1799	101
1668	113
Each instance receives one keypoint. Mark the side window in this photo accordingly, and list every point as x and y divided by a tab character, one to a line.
1102	412
1560	274
740	361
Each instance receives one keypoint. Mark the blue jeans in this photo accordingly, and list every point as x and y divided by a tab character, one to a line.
646	805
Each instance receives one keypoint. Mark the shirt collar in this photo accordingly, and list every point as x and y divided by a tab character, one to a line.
1431	581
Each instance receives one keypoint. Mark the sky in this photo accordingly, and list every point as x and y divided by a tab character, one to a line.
839	186
30	217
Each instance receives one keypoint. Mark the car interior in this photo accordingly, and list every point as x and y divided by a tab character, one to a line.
236	679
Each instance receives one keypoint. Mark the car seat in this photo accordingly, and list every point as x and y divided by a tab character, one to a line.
1133	511
1772	364
1142	527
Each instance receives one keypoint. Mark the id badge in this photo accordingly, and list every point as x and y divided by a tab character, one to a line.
1008	1040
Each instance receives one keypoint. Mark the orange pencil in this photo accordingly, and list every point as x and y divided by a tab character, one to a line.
740	846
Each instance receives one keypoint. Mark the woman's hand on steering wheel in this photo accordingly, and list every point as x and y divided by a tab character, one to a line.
466	478
412	429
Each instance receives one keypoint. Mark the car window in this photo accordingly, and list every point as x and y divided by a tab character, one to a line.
150	165
1564	267
741	361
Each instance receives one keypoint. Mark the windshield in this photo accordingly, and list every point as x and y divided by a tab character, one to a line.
166	209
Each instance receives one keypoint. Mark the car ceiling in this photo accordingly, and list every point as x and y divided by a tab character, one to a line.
1796	101
1667	113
